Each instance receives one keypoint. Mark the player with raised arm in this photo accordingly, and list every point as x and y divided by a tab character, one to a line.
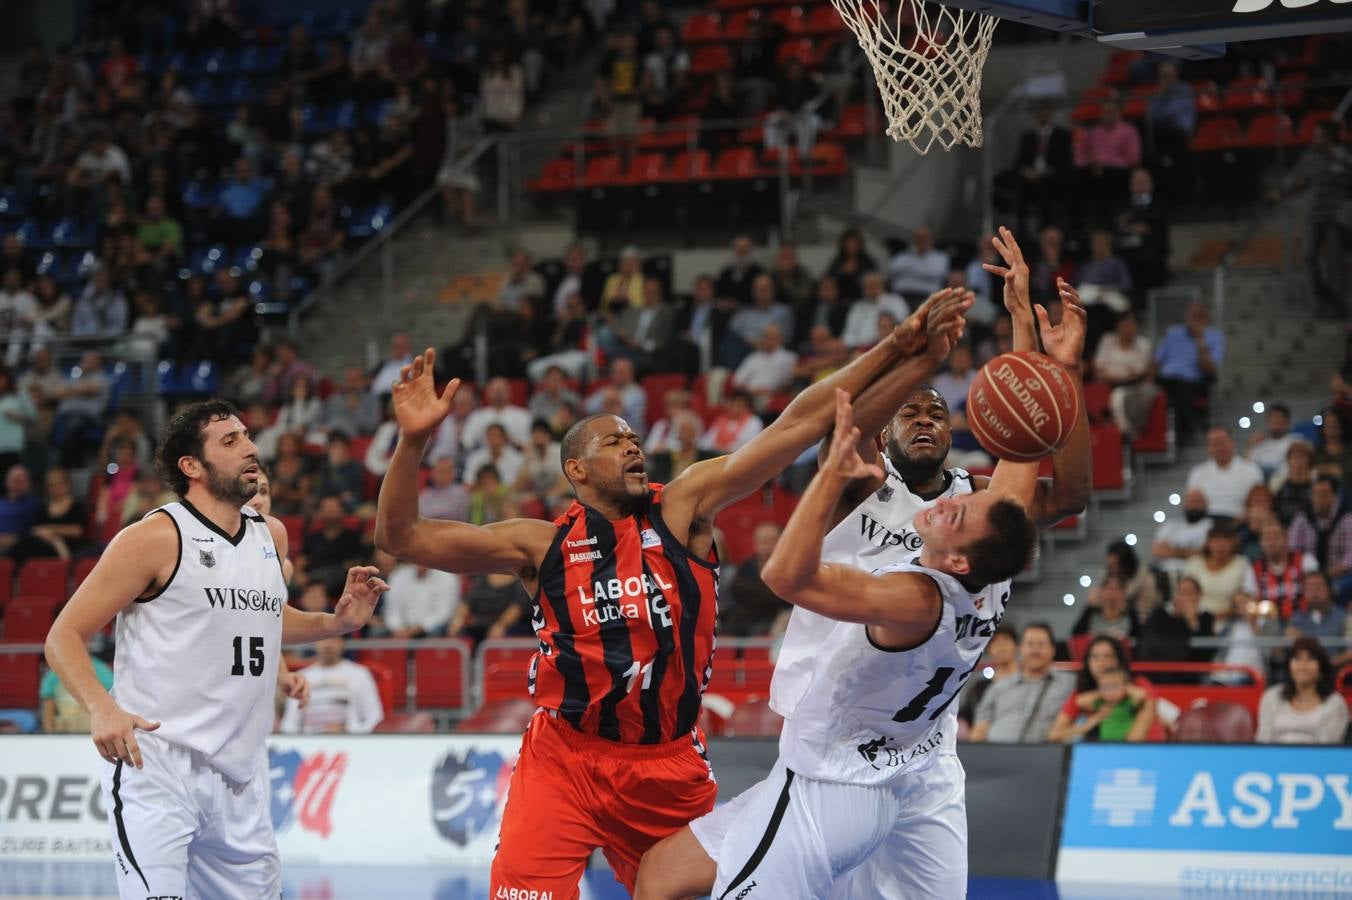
867	760
625	591
200	601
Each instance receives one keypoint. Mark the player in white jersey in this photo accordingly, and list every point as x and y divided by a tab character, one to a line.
827	665
200	600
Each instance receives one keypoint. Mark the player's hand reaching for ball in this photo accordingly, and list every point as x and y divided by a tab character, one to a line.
113	730
1015	273
360	594
946	322
940	313
418	408
843	459
1064	341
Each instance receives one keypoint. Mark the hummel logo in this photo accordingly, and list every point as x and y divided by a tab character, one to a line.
744	891
205	540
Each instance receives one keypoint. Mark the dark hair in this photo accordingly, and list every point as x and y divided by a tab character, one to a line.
1006	550
1330	480
575	439
1039	626
1324	577
1005	631
1324	683
183	437
1279	408
1131	563
1084	679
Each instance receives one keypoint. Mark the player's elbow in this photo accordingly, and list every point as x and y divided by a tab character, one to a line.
391	538
779	581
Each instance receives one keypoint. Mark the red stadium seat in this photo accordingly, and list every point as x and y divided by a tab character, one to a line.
702	28
800	49
1343	682
829	160
557	176
29	618
1096	401
736	163
710	60
645	168
46	577
753	717
1220	133
1119	66
407	723
1246	94
602	171
1109	462
6	581
81	571
1270	130
384	685
440	677
1153	441
1208	97
19	679
1087	113
503	716
689	165
1309	122
395	665
1243	685
736	26
504	667
520	391
823	20
655	388
295	532
1215	723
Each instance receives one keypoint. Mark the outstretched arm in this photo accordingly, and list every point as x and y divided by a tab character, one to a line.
903	606
458	547
1066	493
707	487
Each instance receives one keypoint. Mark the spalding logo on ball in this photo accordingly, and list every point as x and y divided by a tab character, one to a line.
1022	406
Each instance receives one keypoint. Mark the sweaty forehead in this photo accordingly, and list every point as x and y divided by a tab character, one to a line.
608	427
926	398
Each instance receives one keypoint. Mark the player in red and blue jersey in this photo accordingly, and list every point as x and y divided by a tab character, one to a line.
625	589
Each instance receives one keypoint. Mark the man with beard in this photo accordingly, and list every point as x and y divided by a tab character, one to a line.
200	600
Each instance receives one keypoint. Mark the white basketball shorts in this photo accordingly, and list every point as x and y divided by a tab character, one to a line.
799	838
181	829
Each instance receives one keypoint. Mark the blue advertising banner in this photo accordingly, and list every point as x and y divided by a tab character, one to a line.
1236	817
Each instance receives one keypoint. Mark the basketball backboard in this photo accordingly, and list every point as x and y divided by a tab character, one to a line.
1191	29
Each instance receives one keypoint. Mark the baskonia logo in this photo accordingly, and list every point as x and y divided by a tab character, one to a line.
468	789
303	789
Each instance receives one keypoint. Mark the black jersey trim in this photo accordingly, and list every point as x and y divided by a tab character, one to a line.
654	514
767	838
178	560
238	535
923	641
121	826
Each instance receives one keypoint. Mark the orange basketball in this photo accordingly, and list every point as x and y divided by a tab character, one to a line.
1022	406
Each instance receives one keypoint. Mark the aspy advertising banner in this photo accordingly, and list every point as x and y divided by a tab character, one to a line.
1264	818
392	800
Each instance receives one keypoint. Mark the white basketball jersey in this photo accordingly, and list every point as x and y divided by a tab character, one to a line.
868	715
201	656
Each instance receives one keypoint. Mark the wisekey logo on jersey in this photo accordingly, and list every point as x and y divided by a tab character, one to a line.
878	533
304	788
243	600
468	789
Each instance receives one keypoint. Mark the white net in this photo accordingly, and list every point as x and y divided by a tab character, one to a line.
927	59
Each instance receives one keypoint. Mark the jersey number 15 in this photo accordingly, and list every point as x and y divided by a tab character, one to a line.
255	656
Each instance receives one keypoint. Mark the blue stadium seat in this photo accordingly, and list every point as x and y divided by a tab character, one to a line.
72	232
345	115
198	195
247	257
257	60
240	91
214	257
35	235
13	204
207	92
370	221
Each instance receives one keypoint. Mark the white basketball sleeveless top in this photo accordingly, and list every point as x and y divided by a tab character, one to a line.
869	715
876	533
201	656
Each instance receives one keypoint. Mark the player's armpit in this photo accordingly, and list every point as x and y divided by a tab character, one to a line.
515	545
905	604
139	562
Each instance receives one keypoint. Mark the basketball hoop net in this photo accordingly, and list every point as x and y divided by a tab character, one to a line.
927	59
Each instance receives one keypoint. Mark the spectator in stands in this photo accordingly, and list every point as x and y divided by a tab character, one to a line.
633	399
823	354
340	475
1305	708
61	712
523	284
421	602
1052	263
919	270
738	277
1138	581
18	310
502	93
793	117
446	439
101	160
494	607
224	325
496	451
1172	111
1258	511
1122	361
1188	361
794	286
351	409
1326	169
999	661
618	91
243	202
625	284
321	241
1104	157
1333	454
19	507
160	234
1167	633
343	696
150	492
498	409
551	394
851	262
639	334
487	497
302	411
662	435
861	325
574	268
768	370
292	473
330	547
566	346
1221	572
1042	170
1268	447
734	426
666	70
331	162
1317	617
1225	478
1143	234
1279	572
444	497
1022	708
1109	703
400	355
1001	340
1105	286
1326	532
954	382
58	528
541	475
680	451
1293	483
749	323
1108	612
755	65
81	401
754	610
17	416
